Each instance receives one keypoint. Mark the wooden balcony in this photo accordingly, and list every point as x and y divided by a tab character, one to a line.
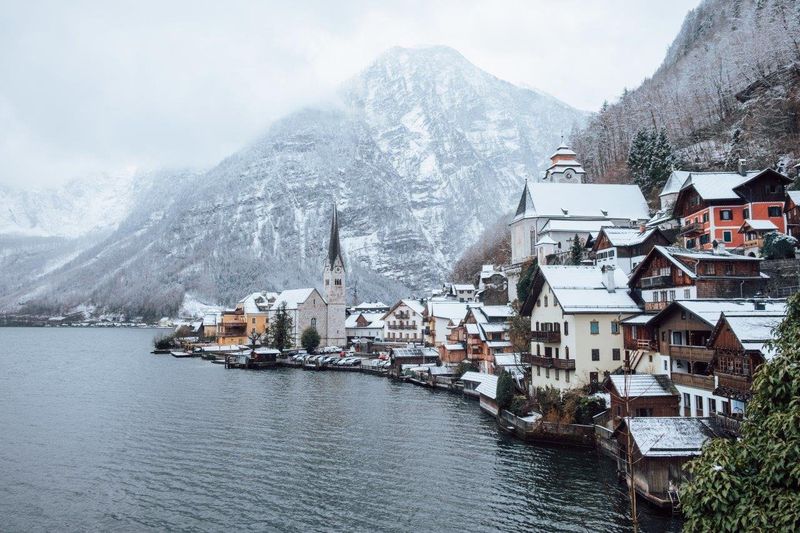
692	353
753	243
546	336
692	229
233	320
735	382
549	362
652	282
641	344
655	306
697	381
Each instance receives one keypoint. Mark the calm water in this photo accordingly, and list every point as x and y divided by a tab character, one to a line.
98	434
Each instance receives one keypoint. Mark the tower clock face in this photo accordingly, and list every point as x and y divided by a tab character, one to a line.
569	174
337	270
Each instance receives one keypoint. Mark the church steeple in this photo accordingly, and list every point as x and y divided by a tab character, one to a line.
334	246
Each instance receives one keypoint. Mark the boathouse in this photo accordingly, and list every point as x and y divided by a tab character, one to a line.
487	392
642	395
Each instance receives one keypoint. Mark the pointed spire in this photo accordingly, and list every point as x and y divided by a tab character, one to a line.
334	247
525	202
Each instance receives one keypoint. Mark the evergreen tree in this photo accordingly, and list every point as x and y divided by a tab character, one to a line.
310	339
281	329
650	159
753	484
505	390
529	269
576	251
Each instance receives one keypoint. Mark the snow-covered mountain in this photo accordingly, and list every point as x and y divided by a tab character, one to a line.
420	151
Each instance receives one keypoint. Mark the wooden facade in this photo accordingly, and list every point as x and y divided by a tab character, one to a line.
733	365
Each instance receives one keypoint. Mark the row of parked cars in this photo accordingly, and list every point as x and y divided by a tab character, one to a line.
329	360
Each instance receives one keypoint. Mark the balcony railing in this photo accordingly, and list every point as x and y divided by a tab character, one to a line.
753	243
549	362
734	381
729	423
546	336
694	353
697	381
652	282
641	344
694	227
655	306
233	320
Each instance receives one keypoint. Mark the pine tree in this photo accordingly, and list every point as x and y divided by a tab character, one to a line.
576	251
650	159
310	339
282	329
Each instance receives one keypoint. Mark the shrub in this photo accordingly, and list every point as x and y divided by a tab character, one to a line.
164	342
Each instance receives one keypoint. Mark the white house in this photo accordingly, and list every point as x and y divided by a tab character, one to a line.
575	322
364	325
442	317
404	322
625	248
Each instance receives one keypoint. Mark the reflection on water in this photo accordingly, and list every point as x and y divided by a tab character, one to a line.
97	434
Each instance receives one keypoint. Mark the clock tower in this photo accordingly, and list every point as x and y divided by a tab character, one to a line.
333	277
564	167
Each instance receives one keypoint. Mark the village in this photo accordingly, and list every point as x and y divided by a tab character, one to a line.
632	332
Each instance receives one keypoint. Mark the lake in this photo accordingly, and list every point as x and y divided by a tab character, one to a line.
96	433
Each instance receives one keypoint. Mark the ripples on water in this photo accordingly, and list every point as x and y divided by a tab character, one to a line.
97	434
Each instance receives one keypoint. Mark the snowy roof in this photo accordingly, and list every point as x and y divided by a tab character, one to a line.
497	311
638	319
494	328
455	311
757	225
662	215
573	226
257	302
754	328
563	149
709	310
488	386
454	347
640	385
670	436
675	182
672	253
573	163
581	289
593	200
794	196
718	185
525	206
463	286
498	344
211	319
627	236
414	305
414	352
547	239
372	305
476	377
508	359
292	297
473	329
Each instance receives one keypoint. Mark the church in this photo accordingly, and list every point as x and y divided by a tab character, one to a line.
561	205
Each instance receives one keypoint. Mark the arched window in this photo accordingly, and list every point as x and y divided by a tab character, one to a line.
314	323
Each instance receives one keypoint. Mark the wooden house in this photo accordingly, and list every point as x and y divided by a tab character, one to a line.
669	273
642	395
487	392
411	356
712	206
792	211
625	248
660	448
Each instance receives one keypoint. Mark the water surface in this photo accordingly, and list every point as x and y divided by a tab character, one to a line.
98	434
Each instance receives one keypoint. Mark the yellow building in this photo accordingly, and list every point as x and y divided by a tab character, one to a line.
249	316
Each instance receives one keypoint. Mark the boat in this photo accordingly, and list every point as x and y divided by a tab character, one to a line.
179	354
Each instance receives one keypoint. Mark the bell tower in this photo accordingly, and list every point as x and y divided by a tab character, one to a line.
333	277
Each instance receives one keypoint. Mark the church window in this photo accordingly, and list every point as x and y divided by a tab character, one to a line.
314	323
337	282
327	282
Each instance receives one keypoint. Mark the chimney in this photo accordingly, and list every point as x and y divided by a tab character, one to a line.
743	167
608	277
717	247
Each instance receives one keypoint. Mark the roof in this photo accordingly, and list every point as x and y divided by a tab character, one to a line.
488	386
589	200
497	311
581	289
257	302
508	359
794	196
754	328
477	377
709	310
464	286
455	311
585	226
718	185
638	319
472	329
670	436
618	236
414	352
454	347
672	253
563	149
498	344
547	239
211	319
373	319
675	181
293	298
757	225
334	246
372	305
641	385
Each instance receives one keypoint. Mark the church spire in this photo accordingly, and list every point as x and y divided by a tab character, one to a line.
525	202
334	247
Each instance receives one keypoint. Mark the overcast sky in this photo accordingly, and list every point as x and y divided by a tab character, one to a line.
90	87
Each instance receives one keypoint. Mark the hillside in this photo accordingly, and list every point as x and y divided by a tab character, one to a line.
421	151
729	87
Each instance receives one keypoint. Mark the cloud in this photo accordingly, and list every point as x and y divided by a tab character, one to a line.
100	86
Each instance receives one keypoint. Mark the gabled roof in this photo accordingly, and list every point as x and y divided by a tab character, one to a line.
708	310
294	297
757	225
673	253
563	149
641	385
525	206
753	328
488	387
583	200
455	311
414	305
675	181
794	196
714	186
581	289
670	436
619	236
575	226
475	377
257	302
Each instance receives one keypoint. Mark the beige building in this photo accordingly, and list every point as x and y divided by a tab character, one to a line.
575	322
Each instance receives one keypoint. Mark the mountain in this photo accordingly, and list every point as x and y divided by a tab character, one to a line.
728	88
421	151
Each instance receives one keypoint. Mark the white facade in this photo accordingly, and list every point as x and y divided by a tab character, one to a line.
404	322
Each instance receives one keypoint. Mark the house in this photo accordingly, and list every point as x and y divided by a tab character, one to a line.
712	206
441	317
459	292
792	211
404	322
402	358
660	448
513	363
641	346
739	342
487	394
486	334
250	316
663	218
754	232
210	322
454	350
471	380
625	248
492	286
364	325
642	395
670	273
683	331
369	307
551	213
575	314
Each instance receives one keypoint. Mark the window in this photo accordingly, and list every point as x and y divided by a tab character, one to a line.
705	216
556	352
327	282
538	303
594	327
712	406
687	404
726	214
547	373
614	327
538	371
690	243
538	349
557	375
746	212
773	211
698	405
671	295
710	269
655	296
644	411
566	353
254	320
615	354
705	239
665	365
595	354
566	328
686	294
545	301
727	236
548	351
729	269
337	281
566	376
